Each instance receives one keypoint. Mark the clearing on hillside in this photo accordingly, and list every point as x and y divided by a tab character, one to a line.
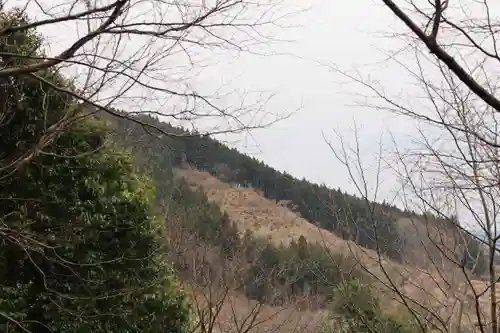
425	289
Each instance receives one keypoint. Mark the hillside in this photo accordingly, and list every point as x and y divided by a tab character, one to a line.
435	291
268	219
414	251
393	232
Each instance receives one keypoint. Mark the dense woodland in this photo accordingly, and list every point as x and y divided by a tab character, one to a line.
346	215
81	244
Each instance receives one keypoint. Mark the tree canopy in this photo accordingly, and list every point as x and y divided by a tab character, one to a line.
80	242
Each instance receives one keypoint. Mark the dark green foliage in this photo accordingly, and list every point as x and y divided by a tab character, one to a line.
341	213
355	300
28	107
350	217
203	219
81	249
282	273
355	309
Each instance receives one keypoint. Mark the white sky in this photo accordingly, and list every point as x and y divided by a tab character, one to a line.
345	34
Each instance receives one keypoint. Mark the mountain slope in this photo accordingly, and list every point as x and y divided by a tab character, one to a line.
404	238
436	292
267	219
382	227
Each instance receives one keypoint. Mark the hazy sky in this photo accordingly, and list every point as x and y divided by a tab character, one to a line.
346	35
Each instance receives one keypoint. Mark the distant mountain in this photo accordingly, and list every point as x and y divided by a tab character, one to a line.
377	226
479	234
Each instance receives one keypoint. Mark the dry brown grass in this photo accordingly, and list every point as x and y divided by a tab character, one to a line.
268	219
437	287
238	311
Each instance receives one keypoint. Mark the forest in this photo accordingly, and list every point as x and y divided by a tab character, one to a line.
292	270
346	215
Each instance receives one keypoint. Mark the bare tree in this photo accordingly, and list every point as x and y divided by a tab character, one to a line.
449	171
448	174
423	280
459	35
129	57
216	287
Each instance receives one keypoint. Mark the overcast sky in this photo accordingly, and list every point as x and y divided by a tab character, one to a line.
346	35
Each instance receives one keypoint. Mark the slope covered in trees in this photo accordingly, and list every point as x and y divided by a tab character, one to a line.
346	215
271	273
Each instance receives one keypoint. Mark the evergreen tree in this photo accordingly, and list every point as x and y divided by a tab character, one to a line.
80	244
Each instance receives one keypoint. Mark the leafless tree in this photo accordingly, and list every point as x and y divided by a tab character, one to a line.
460	35
140	57
450	169
428	280
216	287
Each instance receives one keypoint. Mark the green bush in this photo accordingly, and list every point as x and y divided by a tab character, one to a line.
355	309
